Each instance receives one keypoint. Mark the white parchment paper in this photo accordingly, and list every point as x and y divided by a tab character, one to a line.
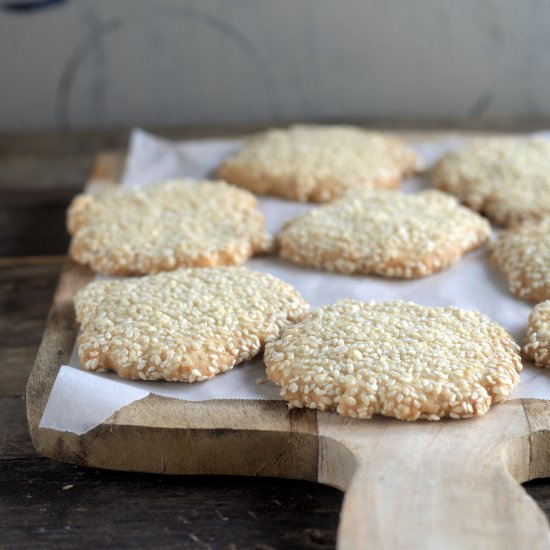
80	400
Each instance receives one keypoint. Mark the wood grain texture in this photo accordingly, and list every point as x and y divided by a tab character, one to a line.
451	484
26	288
15	443
56	505
43	151
110	509
244	512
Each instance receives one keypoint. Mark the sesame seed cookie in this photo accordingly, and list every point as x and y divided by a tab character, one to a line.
186	325
396	359
506	178
318	163
523	253
178	223
537	339
385	233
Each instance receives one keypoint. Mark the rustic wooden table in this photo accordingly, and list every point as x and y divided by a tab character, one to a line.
47	504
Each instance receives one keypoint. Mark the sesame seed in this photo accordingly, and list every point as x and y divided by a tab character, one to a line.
162	227
470	361
319	163
523	253
189	309
506	178
385	233
537	339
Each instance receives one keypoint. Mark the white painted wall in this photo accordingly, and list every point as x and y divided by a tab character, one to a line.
90	63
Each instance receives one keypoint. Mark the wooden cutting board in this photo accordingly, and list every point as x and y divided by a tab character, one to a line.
448	484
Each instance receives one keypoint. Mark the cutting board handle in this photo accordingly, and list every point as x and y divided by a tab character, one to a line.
438	485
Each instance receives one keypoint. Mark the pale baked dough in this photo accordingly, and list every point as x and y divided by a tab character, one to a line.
396	359
537	339
384	233
186	325
523	253
319	163
178	223
505	178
